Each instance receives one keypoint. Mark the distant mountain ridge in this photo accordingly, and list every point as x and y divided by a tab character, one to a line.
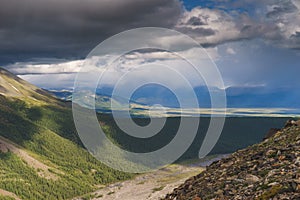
144	102
237	97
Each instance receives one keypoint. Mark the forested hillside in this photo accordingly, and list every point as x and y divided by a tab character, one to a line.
41	156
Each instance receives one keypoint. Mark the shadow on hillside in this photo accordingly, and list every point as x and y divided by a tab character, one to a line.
20	123
238	133
13	122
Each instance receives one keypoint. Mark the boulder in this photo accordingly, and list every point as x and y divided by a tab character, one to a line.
271	133
291	123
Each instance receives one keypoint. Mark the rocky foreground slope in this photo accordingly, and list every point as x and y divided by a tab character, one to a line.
269	170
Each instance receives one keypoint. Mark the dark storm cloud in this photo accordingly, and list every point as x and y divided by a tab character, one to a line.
282	8
71	28
296	35
197	31
195	21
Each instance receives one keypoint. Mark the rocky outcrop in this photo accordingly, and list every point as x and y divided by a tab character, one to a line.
291	123
269	170
271	133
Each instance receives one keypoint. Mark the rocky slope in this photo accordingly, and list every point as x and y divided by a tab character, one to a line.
269	170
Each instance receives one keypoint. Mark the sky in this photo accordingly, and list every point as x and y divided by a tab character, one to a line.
254	43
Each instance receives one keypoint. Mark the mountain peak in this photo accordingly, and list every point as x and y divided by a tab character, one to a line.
13	86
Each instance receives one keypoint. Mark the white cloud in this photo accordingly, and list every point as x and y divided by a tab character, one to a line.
277	22
208	26
289	26
296	3
231	51
49	68
63	74
191	53
55	81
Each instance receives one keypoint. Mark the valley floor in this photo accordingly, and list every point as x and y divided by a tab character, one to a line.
153	185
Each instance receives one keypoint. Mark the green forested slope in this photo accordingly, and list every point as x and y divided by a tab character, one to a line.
42	127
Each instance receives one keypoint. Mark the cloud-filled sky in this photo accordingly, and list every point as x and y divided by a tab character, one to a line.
255	43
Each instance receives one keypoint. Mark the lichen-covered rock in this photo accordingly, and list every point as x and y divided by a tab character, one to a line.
269	170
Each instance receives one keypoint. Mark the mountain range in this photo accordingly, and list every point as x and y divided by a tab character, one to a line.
241	101
237	97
